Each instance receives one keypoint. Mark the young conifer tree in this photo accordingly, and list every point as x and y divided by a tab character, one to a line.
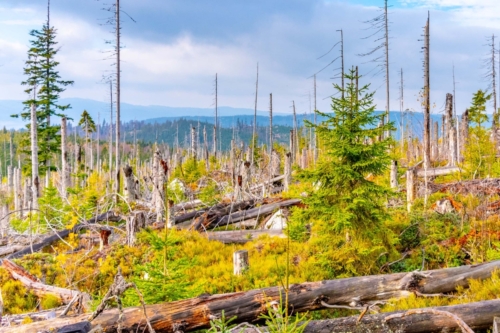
346	198
44	86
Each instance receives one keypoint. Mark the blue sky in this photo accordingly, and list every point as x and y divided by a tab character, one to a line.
175	48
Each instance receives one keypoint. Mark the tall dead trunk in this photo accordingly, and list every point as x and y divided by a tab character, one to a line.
65	174
34	158
449	126
464	132
288	171
427	100
130	186
159	173
194	148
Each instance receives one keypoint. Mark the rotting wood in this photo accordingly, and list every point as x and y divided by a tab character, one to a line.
40	289
242	236
108	216
478	316
196	313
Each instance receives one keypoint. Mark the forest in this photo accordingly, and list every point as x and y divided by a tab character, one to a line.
341	221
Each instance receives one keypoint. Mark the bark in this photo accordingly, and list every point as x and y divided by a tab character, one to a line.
241	236
196	313
411	187
240	262
394	174
108	216
478	316
427	101
65	173
135	223
288	170
34	158
37	287
130	194
434	172
158	188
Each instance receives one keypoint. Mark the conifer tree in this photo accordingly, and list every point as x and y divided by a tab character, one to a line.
44	86
345	197
88	125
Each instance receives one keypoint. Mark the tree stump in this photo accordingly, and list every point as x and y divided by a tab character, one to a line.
240	262
135	223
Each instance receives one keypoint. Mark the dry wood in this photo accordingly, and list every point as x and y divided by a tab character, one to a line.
196	313
242	236
478	316
108	216
38	288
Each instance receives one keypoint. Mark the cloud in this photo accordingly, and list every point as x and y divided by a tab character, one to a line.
172	53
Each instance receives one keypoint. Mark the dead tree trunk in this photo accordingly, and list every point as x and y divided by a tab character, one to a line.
38	288
427	98
411	187
358	292
464	132
288	171
130	194
135	223
65	174
34	158
159	172
394	174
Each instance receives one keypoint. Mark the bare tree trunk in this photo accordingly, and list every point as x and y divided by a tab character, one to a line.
464	132
158	188
130	194
65	174
435	142
386	44
205	149
254	133
118	75
34	158
194	148
427	100
216	119
411	187
394	174
449	125
288	171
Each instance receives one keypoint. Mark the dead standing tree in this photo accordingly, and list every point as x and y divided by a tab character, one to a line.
490	76
426	96
380	26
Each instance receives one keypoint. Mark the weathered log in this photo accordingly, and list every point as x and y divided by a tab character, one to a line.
5	250
108	216
241	236
434	172
212	216
255	212
196	313
478	316
40	289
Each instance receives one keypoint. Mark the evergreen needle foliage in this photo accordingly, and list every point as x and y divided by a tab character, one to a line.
353	153
43	86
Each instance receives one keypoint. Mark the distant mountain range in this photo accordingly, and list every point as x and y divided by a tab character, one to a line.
228	116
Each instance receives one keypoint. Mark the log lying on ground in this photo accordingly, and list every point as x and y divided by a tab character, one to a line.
210	218
490	186
5	250
108	216
256	212
241	236
196	313
478	316
40	289
435	172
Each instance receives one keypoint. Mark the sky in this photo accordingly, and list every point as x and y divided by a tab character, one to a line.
173	49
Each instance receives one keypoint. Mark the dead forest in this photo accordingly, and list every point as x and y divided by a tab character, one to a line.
354	223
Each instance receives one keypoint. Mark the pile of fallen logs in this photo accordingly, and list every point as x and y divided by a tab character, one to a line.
357	293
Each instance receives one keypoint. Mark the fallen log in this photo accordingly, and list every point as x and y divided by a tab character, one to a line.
5	250
256	212
478	316
241	236
435	172
210	218
38	288
196	313
58	235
